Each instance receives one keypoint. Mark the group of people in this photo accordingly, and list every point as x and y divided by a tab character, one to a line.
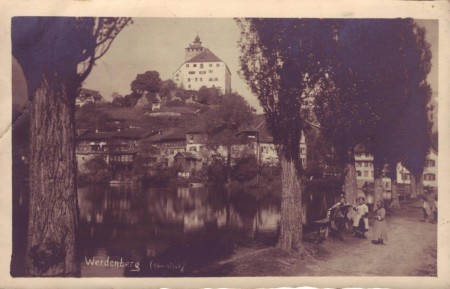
361	218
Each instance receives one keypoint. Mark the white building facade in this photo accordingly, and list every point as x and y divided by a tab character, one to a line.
429	172
202	68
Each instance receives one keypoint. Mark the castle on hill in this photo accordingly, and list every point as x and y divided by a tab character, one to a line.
202	68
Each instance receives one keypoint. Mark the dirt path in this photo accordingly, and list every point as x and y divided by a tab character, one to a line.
409	251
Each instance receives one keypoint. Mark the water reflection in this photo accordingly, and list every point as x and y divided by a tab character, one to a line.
167	231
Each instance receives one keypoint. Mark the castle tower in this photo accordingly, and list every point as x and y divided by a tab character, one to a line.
194	49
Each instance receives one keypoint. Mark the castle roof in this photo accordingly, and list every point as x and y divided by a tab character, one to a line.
205	56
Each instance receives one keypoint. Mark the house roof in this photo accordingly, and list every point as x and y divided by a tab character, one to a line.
134	133
95	135
187	155
359	148
179	135
199	129
130	134
259	125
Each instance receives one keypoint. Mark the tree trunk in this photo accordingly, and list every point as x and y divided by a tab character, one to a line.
350	184
413	187
419	185
395	202
291	230
378	184
53	206
379	189
228	200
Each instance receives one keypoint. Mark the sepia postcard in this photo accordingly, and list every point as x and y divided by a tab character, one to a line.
250	145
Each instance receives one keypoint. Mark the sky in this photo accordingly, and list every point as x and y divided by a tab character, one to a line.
158	44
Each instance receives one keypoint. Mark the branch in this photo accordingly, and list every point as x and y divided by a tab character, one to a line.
110	35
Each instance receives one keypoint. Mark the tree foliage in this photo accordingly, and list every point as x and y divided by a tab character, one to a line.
377	94
85	40
224	121
282	61
148	82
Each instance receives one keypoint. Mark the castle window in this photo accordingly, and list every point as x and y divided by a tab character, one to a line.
201	65
216	79
196	79
187	65
189	79
202	72
217	64
189	86
210	65
195	65
210	71
210	79
201	79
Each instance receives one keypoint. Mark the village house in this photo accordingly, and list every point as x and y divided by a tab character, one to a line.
202	68
429	173
365	170
86	96
123	148
91	145
170	145
118	149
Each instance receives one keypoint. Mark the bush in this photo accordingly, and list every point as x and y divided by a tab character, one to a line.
245	169
331	185
97	171
162	177
175	102
216	172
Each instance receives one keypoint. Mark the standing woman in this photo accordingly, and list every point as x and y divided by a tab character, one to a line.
380	224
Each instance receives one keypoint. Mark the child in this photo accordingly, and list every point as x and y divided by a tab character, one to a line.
360	221
380	224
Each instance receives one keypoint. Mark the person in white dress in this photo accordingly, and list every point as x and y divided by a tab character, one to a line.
360	218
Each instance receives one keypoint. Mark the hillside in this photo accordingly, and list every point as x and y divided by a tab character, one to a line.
106	117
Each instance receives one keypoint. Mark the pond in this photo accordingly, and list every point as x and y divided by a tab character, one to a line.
131	231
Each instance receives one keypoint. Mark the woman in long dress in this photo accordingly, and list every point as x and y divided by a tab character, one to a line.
380	228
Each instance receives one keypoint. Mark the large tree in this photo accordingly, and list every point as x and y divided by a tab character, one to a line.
146	85
373	76
283	61
56	55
